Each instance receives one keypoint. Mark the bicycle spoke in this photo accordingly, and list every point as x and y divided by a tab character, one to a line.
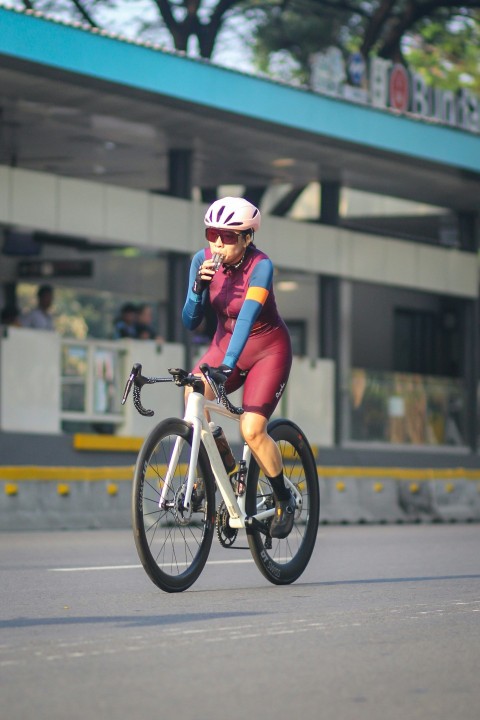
173	541
283	560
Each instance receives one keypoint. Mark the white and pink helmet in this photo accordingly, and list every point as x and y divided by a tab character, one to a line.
233	213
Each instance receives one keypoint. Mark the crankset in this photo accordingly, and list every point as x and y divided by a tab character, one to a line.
226	534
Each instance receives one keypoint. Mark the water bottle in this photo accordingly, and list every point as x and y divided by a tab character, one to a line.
217	260
223	448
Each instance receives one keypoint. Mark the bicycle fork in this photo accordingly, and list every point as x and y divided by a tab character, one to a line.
192	467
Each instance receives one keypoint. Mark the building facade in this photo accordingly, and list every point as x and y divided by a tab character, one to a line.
110	152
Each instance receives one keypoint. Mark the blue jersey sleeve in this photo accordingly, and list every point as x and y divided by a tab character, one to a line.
258	290
194	308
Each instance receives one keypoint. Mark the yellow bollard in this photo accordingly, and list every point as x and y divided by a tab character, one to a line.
112	489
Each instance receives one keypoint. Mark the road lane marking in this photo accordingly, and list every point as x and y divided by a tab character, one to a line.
135	567
95	567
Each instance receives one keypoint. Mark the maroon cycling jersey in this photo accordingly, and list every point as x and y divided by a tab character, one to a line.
251	337
230	289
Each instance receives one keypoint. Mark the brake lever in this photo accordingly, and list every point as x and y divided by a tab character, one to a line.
136	370
212	383
218	389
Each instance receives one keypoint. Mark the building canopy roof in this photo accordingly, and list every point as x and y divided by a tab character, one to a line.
83	104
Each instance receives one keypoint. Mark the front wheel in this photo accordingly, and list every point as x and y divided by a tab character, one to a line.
173	542
283	561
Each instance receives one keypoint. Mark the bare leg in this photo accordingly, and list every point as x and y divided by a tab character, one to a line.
263	447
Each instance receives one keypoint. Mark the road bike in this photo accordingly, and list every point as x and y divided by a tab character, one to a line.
178	472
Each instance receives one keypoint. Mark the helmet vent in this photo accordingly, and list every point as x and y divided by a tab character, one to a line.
219	213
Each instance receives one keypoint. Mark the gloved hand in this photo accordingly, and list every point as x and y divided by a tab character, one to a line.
224	370
204	276
199	284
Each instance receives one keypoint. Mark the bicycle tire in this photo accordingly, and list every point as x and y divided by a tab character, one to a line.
173	544
283	561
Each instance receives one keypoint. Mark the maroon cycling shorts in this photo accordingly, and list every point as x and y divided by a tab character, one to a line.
263	368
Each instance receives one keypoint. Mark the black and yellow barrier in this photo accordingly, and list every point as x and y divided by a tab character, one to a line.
72	497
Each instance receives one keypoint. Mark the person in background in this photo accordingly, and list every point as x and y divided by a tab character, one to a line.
10	316
145	329
126	325
40	317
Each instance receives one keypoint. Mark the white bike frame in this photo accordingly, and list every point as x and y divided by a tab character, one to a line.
195	414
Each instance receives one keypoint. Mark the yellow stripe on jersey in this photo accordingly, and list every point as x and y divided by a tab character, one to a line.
257	293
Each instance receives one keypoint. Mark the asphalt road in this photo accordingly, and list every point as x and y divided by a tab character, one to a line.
384	624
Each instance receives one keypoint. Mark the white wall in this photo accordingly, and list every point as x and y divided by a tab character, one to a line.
30	381
78	207
310	399
30	384
165	399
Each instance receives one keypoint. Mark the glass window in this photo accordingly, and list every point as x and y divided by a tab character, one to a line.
74	378
407	408
415	335
106	398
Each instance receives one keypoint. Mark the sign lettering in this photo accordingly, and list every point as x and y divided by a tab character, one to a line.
388	86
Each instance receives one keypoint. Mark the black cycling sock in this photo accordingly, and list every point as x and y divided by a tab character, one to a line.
279	488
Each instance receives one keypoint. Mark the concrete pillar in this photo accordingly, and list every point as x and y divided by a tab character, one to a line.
472	371
209	194
180	173
467	230
344	360
178	267
330	202
335	297
254	194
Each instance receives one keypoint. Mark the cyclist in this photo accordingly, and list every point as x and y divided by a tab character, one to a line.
251	345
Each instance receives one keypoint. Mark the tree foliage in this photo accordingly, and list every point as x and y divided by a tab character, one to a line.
447	54
440	38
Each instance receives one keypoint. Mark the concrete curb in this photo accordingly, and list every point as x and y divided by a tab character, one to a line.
54	505
88	498
350	500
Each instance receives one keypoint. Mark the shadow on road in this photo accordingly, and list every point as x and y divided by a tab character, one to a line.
128	620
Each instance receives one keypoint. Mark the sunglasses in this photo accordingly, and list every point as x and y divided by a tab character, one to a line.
228	237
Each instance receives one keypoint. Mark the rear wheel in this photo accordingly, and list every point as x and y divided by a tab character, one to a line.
283	561
173	542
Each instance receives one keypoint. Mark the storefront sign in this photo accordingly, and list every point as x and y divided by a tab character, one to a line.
389	86
55	268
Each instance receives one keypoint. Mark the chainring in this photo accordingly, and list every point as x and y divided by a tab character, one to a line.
226	534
